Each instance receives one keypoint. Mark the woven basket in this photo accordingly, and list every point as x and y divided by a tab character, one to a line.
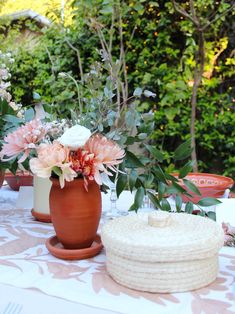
162	252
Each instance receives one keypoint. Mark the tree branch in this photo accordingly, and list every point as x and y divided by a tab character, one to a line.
181	10
218	17
52	63
78	57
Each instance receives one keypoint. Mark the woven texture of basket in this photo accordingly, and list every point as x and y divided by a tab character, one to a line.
162	252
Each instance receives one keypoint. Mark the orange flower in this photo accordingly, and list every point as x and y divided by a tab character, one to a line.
107	154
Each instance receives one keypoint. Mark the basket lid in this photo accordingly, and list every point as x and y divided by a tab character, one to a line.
163	237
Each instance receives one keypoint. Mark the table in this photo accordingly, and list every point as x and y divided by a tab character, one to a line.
29	275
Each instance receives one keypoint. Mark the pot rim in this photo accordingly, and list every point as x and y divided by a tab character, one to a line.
223	181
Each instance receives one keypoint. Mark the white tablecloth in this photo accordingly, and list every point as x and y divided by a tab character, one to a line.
26	263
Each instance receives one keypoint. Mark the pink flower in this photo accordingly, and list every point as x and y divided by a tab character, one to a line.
53	157
23	140
107	154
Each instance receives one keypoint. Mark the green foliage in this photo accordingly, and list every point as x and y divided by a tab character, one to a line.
159	54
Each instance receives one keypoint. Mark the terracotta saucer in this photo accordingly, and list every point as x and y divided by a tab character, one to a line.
40	216
56	248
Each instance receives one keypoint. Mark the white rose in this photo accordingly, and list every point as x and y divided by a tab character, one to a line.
75	137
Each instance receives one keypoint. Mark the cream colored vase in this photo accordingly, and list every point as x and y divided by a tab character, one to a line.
41	207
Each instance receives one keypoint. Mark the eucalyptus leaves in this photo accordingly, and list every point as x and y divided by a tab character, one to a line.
158	183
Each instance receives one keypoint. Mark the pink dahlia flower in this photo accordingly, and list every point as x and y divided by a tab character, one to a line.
107	154
23	140
52	156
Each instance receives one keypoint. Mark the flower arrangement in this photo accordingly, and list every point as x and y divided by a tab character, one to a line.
77	153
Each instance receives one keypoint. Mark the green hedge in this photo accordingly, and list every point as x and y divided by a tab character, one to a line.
159	57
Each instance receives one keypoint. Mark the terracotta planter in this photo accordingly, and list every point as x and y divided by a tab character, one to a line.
18	180
2	175
41	191
75	213
210	185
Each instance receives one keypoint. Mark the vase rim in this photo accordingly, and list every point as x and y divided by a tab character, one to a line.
81	180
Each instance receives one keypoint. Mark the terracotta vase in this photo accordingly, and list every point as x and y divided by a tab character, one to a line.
18	180
75	213
41	191
2	174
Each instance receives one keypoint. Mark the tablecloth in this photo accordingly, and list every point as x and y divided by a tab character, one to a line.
26	263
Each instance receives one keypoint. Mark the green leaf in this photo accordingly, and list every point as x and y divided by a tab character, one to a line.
175	188
107	9
171	178
155	153
133	208
153	199
189	208
148	180
208	201
178	203
161	189
183	151
186	169
5	108
165	205
57	171
211	215
202	213
191	186
139	197
132	179
121	184
29	115
130	140
132	161
160	176
12	119
142	136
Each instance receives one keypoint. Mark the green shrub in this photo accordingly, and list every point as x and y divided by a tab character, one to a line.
159	48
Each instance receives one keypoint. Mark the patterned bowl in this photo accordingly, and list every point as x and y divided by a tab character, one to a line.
210	185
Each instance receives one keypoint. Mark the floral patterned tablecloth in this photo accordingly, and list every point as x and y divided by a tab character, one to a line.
26	263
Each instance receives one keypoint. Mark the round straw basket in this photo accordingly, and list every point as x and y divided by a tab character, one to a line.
162	252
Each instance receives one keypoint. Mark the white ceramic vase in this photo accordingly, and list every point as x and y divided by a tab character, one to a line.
41	207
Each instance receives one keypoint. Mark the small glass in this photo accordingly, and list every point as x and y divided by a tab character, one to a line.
113	211
147	205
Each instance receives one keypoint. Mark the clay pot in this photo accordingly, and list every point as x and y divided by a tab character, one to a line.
210	185
2	175
18	180
75	213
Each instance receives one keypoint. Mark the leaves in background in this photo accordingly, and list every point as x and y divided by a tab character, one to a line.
186	169
132	161
155	152
183	151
